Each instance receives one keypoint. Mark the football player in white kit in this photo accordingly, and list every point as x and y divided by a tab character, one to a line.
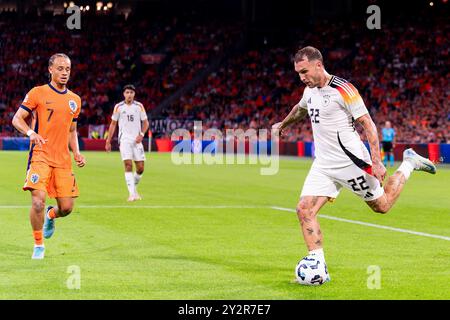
133	124
342	160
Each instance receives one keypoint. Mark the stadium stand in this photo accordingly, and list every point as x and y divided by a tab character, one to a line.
402	72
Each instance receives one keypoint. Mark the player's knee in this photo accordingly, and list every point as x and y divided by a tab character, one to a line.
38	204
380	209
304	209
64	211
140	170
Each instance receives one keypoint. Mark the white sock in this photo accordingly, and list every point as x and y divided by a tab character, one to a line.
406	168
137	178
130	183
318	252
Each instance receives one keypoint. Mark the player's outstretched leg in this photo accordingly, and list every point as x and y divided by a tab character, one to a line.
411	161
420	163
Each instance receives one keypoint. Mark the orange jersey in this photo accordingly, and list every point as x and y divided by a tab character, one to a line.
53	111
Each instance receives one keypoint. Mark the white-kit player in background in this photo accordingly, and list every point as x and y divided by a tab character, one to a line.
342	160
133	124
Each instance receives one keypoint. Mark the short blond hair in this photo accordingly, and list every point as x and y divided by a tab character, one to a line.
310	53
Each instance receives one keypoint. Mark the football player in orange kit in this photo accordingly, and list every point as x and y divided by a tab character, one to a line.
54	111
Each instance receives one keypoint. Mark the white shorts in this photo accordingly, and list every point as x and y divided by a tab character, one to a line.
329	182
132	151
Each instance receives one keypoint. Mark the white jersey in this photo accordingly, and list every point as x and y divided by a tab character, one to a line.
130	117
333	110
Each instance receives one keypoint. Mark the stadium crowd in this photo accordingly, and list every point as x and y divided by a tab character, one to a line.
97	61
401	71
106	53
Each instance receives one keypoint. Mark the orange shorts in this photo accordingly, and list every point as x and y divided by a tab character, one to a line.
57	182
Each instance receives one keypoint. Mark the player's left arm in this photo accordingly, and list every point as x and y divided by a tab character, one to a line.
141	134
378	169
354	103
145	125
73	144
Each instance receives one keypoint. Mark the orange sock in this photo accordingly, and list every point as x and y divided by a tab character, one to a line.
38	240
52	213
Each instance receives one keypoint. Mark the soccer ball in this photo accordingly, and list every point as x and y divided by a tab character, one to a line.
311	271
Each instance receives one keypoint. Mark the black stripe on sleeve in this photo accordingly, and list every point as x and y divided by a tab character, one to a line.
26	108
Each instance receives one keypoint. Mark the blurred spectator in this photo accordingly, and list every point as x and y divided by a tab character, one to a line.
401	72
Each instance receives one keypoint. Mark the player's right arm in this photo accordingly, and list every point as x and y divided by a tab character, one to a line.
297	114
111	130
20	124
112	127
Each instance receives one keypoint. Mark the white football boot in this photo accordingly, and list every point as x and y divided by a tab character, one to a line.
419	163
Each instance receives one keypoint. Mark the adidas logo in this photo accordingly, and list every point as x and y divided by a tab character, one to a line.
368	195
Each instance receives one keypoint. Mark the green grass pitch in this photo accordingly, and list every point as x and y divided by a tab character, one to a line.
210	232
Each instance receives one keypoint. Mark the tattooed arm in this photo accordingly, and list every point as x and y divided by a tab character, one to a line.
297	113
379	171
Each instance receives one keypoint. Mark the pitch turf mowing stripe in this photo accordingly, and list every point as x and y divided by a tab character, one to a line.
152	207
417	233
372	225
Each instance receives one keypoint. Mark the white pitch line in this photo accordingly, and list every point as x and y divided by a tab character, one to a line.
371	225
172	207
245	207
